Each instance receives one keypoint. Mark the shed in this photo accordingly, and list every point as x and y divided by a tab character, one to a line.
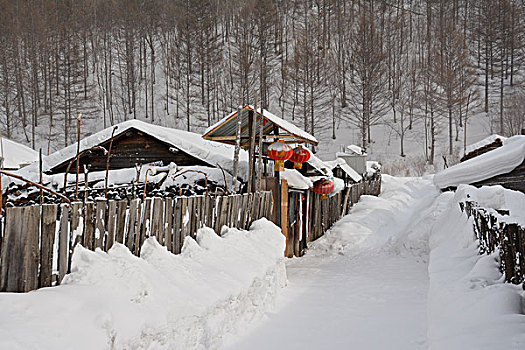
342	170
273	127
487	144
503	166
137	142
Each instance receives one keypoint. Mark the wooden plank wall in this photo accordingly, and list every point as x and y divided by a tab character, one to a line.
27	249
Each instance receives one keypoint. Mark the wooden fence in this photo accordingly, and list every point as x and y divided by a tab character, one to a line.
494	230
309	217
35	238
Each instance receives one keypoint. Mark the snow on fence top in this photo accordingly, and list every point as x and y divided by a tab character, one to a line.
210	152
499	161
15	154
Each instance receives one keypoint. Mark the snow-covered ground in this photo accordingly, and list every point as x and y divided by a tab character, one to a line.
366	284
401	271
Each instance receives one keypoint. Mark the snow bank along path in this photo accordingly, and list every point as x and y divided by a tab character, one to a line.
115	300
361	286
400	272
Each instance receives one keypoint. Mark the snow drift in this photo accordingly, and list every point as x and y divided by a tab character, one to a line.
163	301
469	306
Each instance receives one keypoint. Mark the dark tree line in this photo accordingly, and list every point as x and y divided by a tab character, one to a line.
187	63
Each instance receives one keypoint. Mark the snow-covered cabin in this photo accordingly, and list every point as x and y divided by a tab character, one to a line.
15	155
503	166
487	144
139	143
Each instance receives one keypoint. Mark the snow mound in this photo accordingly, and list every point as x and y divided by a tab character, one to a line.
496	162
382	223
469	306
158	301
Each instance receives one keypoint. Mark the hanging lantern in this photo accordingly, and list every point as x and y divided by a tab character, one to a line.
299	156
323	187
279	152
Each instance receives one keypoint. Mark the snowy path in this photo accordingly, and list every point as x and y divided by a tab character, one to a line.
364	286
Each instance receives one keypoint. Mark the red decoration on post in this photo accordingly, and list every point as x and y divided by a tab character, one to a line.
323	187
299	156
279	151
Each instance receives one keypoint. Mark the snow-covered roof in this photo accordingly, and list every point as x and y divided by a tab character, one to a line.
496	162
296	180
485	142
346	168
354	149
15	154
210	152
319	165
225	129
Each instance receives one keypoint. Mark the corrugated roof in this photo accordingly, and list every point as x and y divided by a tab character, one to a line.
225	130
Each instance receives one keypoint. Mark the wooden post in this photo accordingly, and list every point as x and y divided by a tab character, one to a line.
107	160
251	154
237	148
79	119
284	209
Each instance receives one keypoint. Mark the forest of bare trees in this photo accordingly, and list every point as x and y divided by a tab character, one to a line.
187	63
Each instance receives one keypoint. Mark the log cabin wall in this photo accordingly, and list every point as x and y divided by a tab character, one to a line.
130	148
514	180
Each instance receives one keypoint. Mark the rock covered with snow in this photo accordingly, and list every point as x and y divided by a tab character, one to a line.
496	162
116	300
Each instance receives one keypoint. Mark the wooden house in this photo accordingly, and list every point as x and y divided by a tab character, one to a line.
503	166
138	143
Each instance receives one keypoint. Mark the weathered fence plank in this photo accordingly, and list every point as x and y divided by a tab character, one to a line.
47	239
89	225
131	229
100	226
121	221
20	250
168	224
111	225
65	243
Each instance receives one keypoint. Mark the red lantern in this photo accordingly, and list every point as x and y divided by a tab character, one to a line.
279	151
299	156
323	187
